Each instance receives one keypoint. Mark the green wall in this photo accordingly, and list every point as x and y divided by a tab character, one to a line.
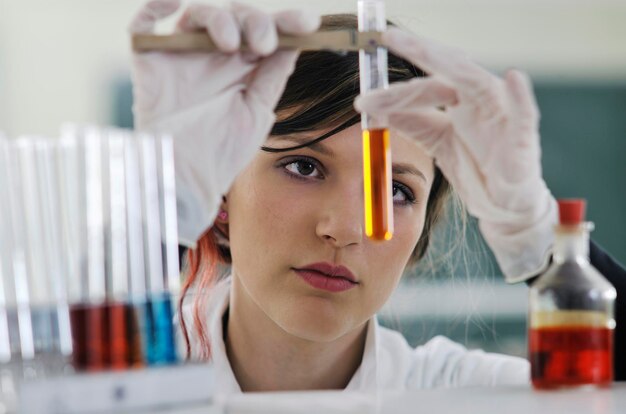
583	130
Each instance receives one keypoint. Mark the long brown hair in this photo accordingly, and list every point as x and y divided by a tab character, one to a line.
318	96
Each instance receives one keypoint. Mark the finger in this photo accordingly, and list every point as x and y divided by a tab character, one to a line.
430	128
259	30
413	94
270	78
450	64
145	20
523	98
296	22
219	23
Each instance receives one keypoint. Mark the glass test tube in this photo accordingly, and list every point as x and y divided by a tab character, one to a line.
35	318
71	186
138	247
82	176
38	284
169	236
10	356
104	322
159	330
376	145
48	199
169	220
122	329
18	257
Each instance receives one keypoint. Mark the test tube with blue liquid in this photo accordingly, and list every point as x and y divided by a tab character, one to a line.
161	264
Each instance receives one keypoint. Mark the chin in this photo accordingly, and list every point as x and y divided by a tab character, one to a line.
315	324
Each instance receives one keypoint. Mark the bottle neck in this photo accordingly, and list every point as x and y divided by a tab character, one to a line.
572	242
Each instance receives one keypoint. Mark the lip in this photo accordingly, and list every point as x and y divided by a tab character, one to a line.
327	276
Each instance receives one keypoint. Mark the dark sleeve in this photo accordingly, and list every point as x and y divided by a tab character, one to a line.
616	274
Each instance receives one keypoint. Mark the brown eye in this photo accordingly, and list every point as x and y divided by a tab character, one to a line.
402	194
303	168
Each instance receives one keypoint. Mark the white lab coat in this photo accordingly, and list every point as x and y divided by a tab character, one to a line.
389	362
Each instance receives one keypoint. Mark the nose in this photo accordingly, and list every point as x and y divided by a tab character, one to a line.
341	218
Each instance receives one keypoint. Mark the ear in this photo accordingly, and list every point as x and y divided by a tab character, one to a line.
220	226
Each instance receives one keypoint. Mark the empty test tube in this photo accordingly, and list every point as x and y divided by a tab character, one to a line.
376	147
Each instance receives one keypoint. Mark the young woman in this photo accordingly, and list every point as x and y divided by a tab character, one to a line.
296	307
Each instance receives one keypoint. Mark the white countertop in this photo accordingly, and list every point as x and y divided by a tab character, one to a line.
187	389
509	400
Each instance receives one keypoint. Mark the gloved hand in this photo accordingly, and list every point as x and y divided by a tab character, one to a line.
486	143
219	107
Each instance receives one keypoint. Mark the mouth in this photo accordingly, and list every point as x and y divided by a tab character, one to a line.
328	277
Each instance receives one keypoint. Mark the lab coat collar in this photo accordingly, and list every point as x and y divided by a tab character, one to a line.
365	377
226	381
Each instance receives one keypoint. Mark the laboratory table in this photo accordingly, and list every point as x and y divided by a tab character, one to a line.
496	400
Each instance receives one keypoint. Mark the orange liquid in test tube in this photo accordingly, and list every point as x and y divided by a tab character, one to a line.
377	184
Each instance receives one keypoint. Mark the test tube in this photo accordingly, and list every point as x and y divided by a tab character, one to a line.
124	344
158	325
71	194
10	356
50	234
82	178
376	146
18	256
167	192
169	239
39	285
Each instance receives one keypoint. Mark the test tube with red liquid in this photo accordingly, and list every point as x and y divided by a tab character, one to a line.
80	160
377	184
103	322
570	340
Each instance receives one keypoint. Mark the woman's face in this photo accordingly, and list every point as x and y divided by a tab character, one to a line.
291	209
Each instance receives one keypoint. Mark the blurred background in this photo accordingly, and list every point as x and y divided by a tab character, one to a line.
68	60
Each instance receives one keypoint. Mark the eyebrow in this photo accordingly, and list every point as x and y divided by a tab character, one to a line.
407	169
315	146
399	168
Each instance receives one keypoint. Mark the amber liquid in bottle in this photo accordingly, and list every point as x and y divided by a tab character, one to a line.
377	184
570	348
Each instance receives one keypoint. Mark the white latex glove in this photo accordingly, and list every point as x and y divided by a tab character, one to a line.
219	107
486	143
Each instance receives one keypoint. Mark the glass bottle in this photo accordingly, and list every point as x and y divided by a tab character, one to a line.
571	319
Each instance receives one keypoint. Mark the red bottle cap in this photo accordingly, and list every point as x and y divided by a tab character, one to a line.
572	211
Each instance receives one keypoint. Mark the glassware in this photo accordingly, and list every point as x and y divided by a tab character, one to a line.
157	189
571	311
376	146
